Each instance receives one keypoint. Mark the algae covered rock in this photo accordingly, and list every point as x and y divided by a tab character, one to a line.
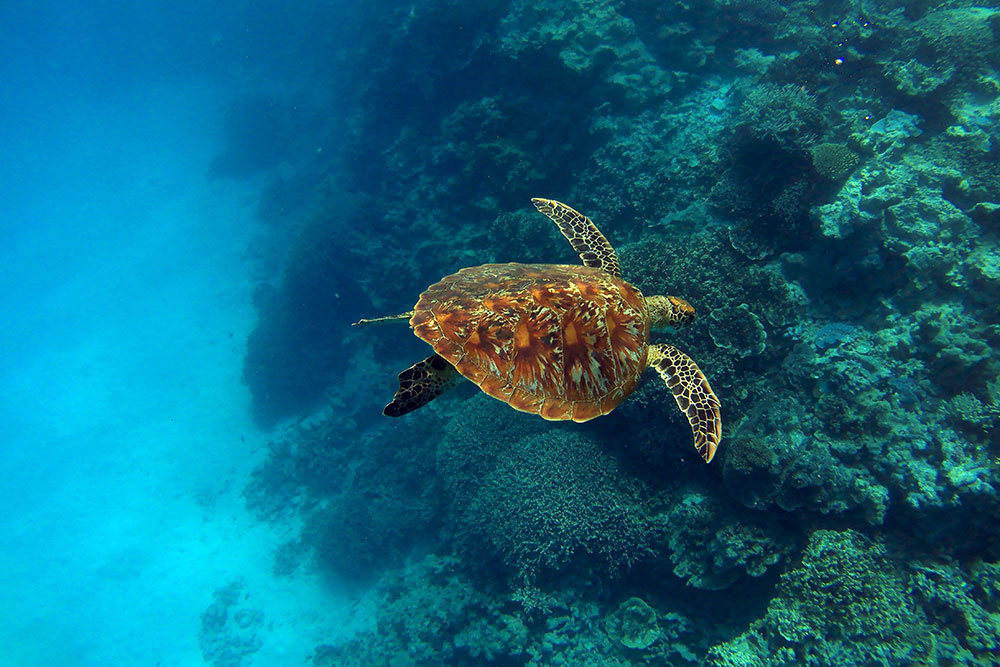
230	627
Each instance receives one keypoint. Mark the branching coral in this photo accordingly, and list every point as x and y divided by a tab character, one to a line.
553	496
785	114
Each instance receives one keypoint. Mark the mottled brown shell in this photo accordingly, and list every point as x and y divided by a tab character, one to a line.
563	342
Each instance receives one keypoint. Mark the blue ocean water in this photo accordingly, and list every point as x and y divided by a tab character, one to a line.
126	294
197	200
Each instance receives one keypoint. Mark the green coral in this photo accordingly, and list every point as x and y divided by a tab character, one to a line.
842	589
833	161
968	411
966	602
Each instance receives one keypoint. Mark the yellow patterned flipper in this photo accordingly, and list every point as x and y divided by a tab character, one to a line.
583	235
693	394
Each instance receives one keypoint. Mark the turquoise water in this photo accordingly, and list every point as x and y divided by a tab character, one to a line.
196	201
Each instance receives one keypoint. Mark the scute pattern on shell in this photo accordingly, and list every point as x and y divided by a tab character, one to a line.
564	342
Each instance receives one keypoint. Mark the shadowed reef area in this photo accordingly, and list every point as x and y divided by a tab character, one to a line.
819	179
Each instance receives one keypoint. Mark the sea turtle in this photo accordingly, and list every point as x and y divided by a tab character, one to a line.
560	341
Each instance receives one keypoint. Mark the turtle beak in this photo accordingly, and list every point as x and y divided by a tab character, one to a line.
683	310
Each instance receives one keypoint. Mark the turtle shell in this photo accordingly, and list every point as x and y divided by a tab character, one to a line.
563	342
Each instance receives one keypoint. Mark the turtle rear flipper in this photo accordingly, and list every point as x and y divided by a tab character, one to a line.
693	394
581	232
420	384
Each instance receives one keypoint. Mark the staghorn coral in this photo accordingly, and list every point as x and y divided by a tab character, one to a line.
787	115
963	39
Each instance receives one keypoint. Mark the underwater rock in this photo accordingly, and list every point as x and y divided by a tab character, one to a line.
229	628
892	131
591	37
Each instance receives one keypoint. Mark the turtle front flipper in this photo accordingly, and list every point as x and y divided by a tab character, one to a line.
420	384
693	394
582	234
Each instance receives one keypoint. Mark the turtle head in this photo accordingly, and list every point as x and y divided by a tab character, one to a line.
668	311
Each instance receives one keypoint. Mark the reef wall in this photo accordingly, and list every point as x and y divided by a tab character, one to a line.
819	180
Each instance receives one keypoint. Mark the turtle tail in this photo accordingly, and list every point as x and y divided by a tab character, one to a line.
382	320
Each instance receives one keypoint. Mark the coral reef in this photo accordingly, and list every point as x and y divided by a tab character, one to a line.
711	548
849	602
431	613
818	179
362	504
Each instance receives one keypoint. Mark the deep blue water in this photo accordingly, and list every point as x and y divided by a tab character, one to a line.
198	199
